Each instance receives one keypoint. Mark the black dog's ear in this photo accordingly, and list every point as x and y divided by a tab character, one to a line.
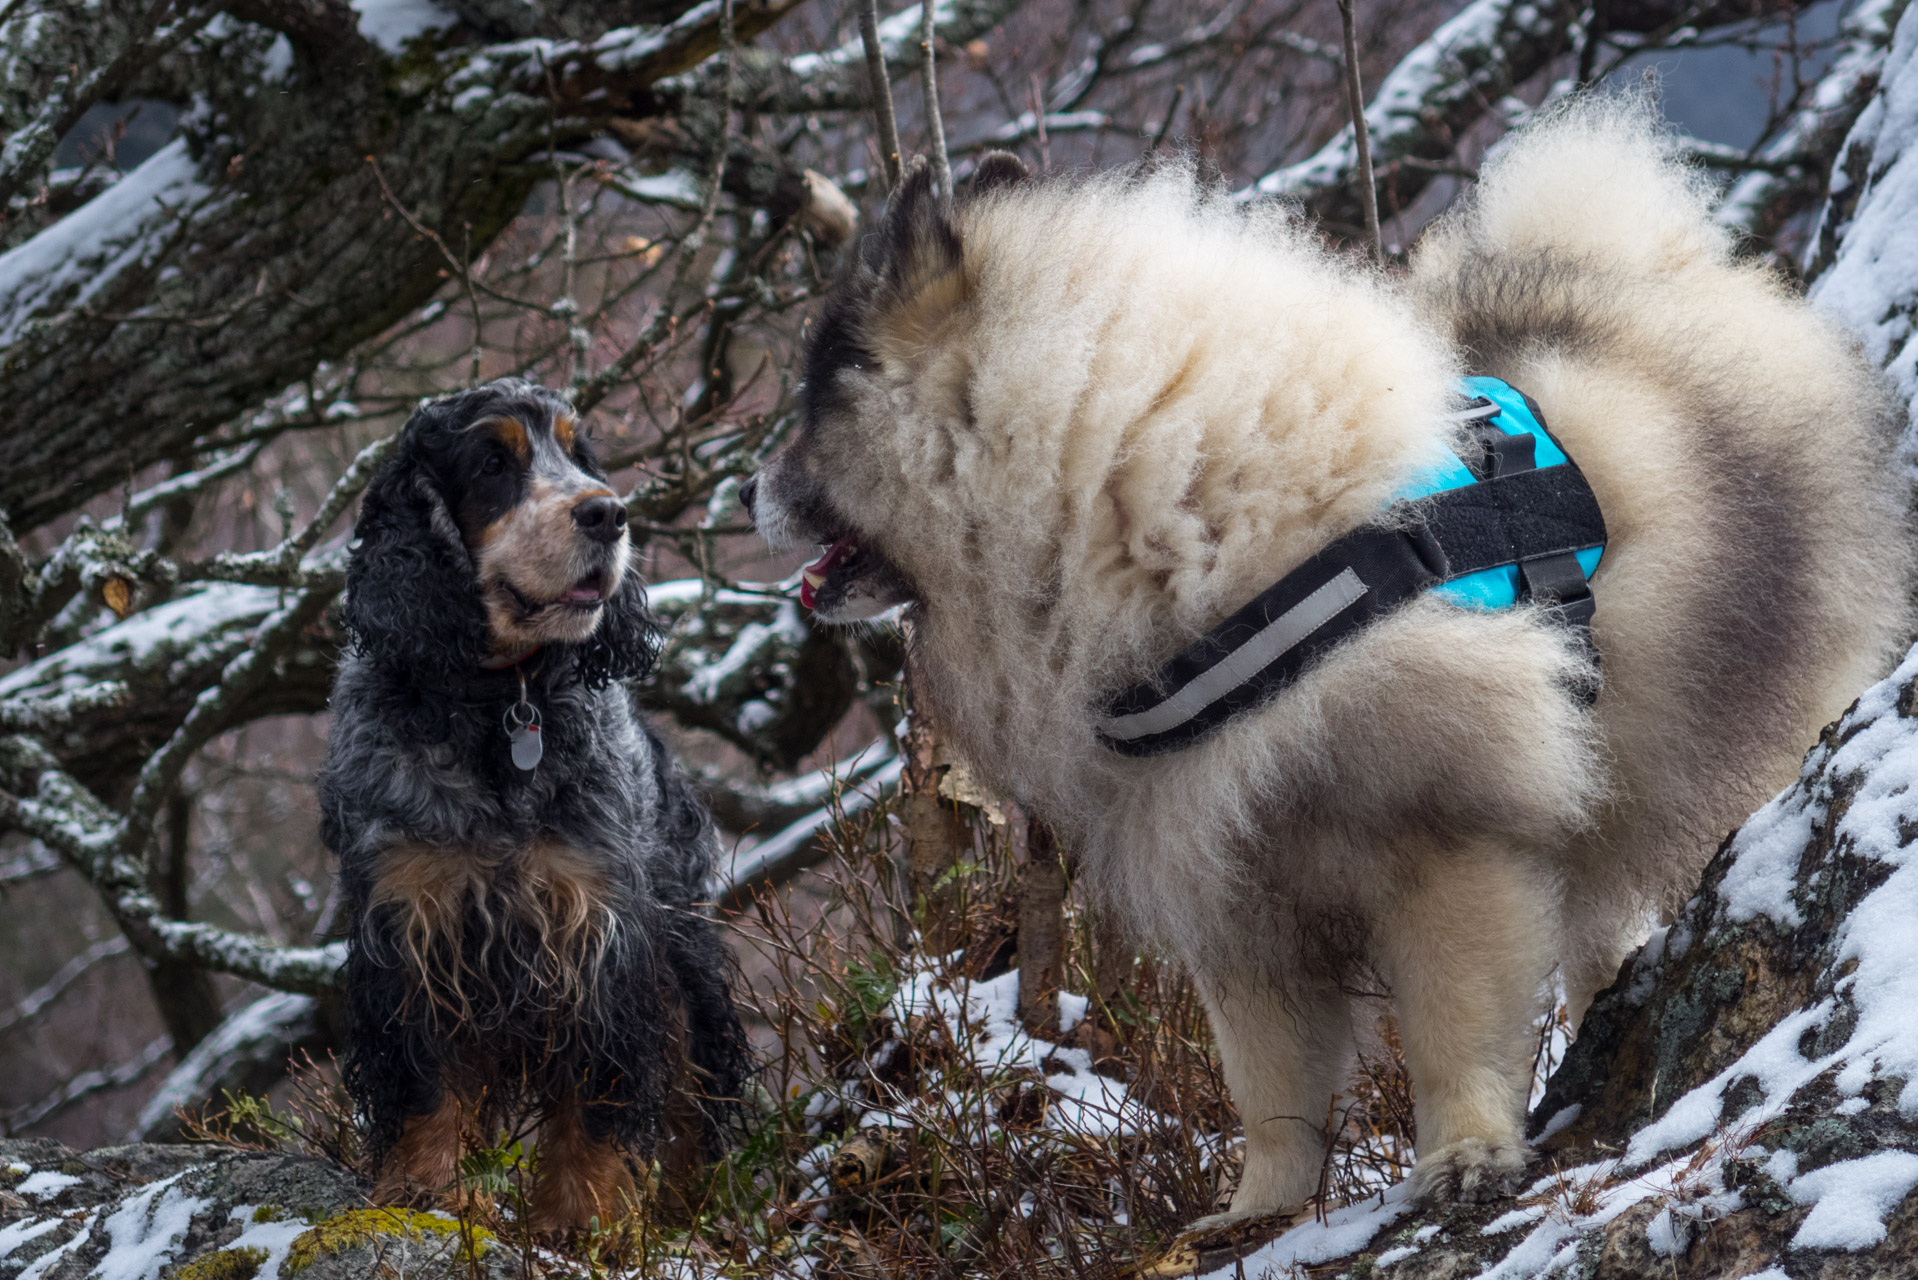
997	169
412	600
626	643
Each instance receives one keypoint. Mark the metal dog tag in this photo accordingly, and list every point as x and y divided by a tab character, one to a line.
522	730
527	748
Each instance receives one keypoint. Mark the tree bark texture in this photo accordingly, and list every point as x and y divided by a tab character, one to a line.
1042	931
270	236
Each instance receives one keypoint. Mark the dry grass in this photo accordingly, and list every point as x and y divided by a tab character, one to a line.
905	1125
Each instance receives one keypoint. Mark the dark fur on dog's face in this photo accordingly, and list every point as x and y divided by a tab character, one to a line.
493	534
909	266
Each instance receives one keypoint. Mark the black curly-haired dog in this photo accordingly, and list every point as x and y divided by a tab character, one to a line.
519	856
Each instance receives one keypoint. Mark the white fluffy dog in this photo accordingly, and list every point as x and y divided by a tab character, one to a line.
1076	423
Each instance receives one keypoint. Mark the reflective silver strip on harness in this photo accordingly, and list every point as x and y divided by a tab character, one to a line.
1244	663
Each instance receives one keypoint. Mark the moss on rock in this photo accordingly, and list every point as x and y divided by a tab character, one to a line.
357	1227
227	1264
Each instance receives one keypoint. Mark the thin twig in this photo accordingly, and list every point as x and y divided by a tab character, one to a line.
1165	127
281	562
1361	137
881	89
666	321
929	78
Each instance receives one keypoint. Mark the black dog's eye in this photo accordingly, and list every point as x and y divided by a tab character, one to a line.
493	465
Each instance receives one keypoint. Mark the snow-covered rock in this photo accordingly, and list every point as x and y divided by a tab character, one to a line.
1744	1099
210	1213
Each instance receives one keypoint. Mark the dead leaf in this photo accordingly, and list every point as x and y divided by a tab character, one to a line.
117	593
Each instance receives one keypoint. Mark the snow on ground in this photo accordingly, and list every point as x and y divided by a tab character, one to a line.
52	1257
983	1018
274	1237
143	1233
1880	748
45	1184
1851	1198
1344	1231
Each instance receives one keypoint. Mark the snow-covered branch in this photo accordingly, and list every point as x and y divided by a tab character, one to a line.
836	79
1865	256
96	559
155	31
1466	70
752	669
101	703
246	1053
1794	168
40	798
228	265
791	849
212	712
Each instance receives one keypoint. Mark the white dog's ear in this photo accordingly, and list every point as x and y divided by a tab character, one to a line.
918	266
997	169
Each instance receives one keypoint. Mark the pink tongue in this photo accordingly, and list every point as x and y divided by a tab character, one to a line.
818	569
580	594
833	555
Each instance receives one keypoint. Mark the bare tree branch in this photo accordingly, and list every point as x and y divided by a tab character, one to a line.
65	976
929	82
88	1083
880	82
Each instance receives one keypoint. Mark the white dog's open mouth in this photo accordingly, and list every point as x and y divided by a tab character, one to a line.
851	581
816	575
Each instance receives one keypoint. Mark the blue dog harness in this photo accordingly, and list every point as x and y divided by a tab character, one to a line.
1510	520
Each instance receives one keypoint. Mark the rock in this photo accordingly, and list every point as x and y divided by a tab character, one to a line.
212	1213
1745	1096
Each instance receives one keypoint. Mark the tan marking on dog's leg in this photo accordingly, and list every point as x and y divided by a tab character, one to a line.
580	1177
1284	1053
1467	955
425	1161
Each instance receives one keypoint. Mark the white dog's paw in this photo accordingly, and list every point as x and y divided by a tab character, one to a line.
1219	1223
1472	1171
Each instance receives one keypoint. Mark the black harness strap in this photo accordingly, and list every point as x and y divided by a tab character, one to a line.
1516	514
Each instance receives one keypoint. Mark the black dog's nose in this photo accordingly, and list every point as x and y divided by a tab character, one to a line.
602	519
747	492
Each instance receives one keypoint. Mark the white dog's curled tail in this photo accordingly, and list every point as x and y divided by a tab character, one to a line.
1598	174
